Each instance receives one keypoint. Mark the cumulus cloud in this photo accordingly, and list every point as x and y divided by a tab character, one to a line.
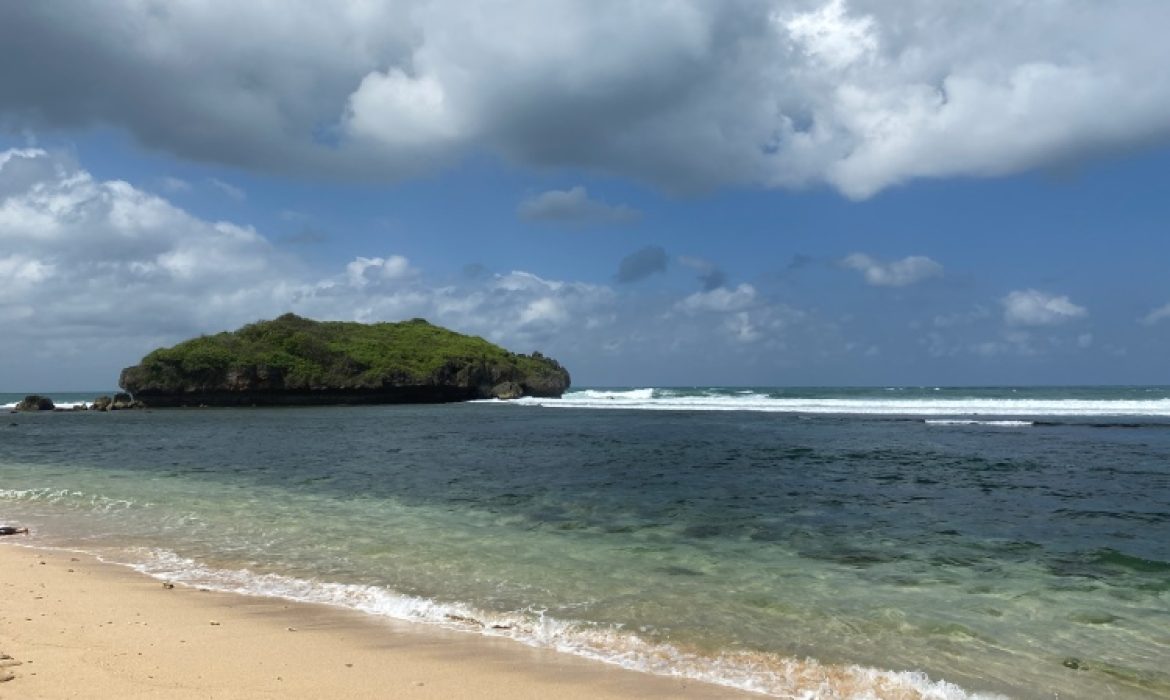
1159	314
573	206
1030	307
898	273
98	272
860	95
740	316
363	271
641	264
720	299
105	255
94	273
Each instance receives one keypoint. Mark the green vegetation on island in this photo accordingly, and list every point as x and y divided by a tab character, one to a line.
292	360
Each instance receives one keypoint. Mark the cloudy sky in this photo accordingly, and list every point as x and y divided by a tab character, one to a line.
780	192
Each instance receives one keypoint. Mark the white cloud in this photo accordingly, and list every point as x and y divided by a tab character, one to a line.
831	36
573	206
898	273
115	271
857	94
229	190
1030	307
116	260
397	110
742	317
740	327
174	184
720	300
363	271
94	274
1157	315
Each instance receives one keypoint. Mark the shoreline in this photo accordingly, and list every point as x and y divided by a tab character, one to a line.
84	628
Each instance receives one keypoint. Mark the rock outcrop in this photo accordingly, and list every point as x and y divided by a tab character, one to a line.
34	402
120	402
507	390
298	361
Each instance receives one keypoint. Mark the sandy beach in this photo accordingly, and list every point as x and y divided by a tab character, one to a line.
76	627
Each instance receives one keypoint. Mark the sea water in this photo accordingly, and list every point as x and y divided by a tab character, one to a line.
809	543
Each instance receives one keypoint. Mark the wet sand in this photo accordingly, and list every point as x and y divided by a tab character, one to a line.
74	627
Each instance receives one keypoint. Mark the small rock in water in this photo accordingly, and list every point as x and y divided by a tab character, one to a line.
168	585
1072	662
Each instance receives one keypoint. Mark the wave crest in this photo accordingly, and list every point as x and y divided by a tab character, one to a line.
711	400
758	672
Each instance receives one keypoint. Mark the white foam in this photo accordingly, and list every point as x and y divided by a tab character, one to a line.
995	423
650	400
68	498
756	672
617	395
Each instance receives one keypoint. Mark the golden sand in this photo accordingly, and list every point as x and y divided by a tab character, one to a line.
74	627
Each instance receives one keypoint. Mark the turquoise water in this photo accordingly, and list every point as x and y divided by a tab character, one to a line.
812	543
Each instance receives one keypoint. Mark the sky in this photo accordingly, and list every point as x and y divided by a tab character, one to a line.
666	192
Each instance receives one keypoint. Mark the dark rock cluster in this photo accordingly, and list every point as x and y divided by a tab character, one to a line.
35	402
121	402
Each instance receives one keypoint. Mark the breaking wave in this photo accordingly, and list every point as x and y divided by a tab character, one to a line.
758	672
887	402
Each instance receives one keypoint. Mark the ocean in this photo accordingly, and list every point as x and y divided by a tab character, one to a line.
801	543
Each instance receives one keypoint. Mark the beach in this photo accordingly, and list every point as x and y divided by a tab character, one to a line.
82	628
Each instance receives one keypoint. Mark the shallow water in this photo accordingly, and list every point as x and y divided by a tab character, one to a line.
793	553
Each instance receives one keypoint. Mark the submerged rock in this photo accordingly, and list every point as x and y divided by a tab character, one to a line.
298	361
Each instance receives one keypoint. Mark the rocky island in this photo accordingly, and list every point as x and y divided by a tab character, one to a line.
298	361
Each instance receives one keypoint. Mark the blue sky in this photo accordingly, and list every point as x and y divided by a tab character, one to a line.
780	193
